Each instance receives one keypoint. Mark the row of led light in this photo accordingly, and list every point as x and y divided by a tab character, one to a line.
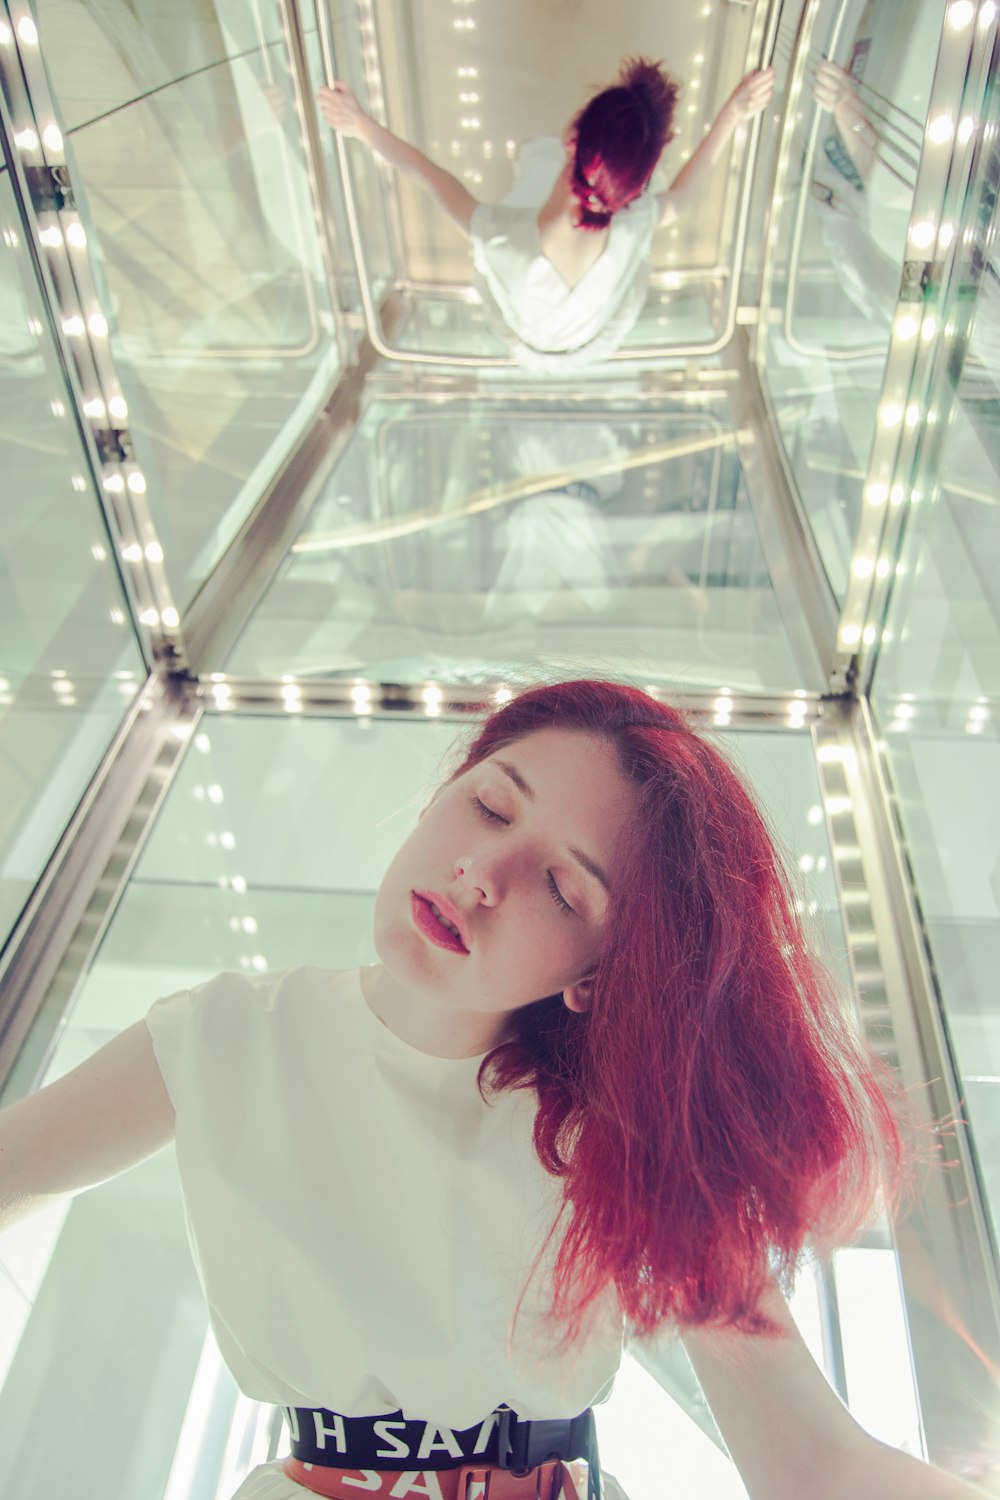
65	689
364	696
64	238
905	712
896	417
212	792
796	713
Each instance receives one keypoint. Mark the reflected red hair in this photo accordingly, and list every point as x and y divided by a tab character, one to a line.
620	135
716	1108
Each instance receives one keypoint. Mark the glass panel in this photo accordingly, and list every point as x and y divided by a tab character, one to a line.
840	238
482	540
261	858
216	292
937	683
70	662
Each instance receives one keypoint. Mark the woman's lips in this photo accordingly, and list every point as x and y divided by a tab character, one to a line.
426	922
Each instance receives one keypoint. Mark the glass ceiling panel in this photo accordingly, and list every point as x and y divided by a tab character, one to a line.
481	540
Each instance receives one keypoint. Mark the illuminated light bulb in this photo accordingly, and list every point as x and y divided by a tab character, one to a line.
869	635
361	693
114	484
98	325
814	816
966	130
850	635
987	14
698	58
946	236
76	235
290	692
132	553
723	705
202	743
154	552
941	129
26	140
79	483
117	618
960	14
928	329
98	553
898	494
977	711
149	617
221	689
118	408
74	328
906	327
27	31
504	695
94	408
170	618
431	694
884	568
890	413
215	793
50	237
239	885
807	864
922	233
259	962
137	482
912	414
863	567
836	806
52	136
57	409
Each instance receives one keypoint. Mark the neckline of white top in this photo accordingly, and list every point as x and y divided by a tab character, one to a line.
393	1043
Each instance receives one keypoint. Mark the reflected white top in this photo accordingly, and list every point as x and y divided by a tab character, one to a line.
362	1222
558	326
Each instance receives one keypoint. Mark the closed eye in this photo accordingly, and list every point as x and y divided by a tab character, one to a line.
487	812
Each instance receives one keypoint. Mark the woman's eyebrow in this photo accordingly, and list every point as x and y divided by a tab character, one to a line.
590	865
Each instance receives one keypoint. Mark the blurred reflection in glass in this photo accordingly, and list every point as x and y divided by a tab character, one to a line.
562	264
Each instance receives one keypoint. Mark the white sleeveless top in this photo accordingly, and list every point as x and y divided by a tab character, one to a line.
556	326
362	1222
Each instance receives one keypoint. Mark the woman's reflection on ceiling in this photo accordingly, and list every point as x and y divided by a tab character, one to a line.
562	263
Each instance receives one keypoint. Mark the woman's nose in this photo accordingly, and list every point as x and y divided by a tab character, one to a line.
476	873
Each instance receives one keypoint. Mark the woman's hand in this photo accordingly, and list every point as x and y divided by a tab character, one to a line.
340	109
751	94
831	85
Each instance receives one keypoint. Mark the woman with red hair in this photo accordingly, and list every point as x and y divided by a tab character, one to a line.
596	1083
563	262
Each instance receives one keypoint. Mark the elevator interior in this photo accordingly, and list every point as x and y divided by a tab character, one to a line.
281	516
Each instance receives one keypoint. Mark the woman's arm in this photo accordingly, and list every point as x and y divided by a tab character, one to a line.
749	97
833	89
105	1116
341	110
788	1432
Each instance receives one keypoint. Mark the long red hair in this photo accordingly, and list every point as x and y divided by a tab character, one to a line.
619	137
716	1109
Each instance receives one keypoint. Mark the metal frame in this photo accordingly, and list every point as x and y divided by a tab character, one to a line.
945	1226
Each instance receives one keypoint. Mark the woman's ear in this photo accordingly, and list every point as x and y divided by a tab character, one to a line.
577	996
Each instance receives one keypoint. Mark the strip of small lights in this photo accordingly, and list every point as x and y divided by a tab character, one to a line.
64	253
907	404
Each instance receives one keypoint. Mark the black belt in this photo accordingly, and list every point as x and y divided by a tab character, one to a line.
390	1441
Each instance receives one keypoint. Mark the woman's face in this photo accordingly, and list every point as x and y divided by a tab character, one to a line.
518	854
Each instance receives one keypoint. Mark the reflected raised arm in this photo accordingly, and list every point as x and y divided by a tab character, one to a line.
342	111
751	95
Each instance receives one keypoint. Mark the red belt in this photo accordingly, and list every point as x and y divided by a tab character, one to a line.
551	1480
